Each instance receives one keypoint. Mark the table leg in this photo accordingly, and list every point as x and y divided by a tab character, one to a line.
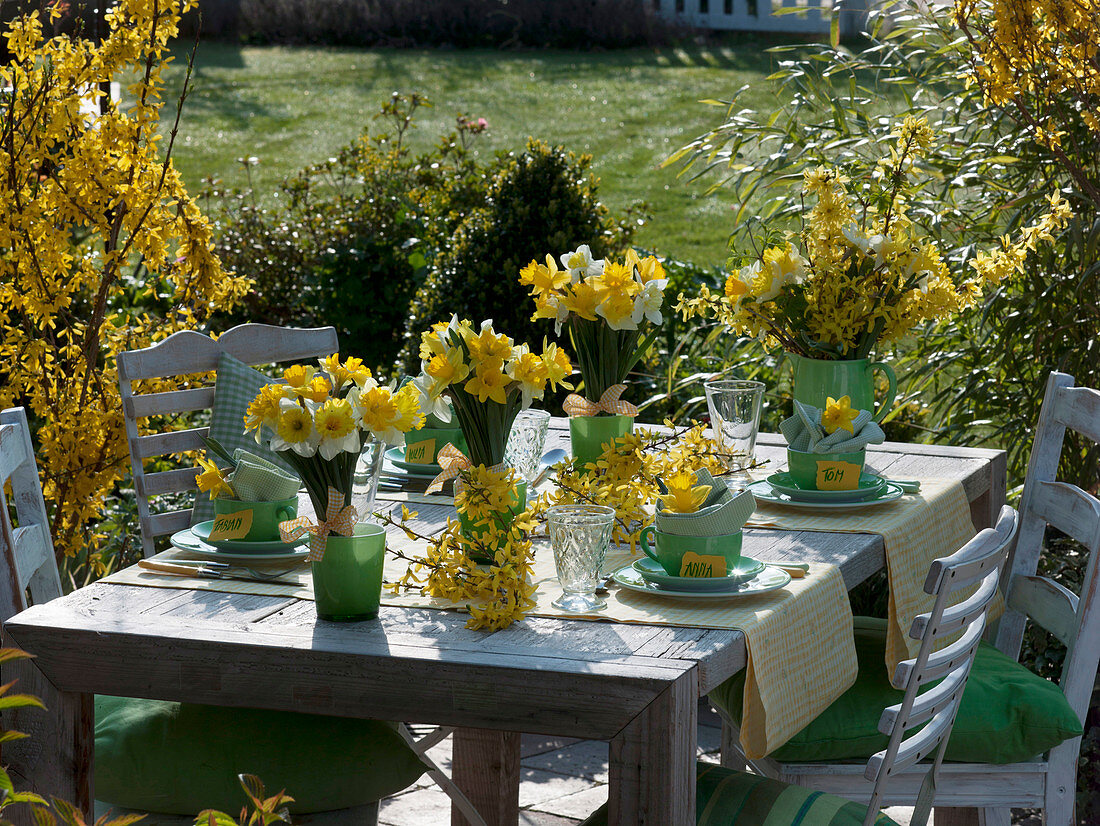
985	509
949	816
653	761
55	760
486	768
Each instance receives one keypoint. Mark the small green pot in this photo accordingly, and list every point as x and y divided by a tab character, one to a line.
826	471
347	582
516	505
692	556
422	446
266	516
588	435
815	380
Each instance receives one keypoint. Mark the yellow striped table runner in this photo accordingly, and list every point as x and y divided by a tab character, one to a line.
915	529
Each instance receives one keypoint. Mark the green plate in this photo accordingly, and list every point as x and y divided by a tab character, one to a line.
869	485
745	570
769	579
201	532
764	492
187	541
397	456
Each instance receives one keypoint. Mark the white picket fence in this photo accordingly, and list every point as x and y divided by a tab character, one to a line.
757	15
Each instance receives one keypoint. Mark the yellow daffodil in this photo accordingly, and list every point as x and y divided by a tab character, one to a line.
582	300
684	496
487	345
838	415
317	390
447	368
352	370
557	364
650	269
617	309
299	375
263	411
211	480
489	383
544	279
409	414
616	280
529	372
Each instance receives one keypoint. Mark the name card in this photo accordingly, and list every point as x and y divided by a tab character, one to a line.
701	565
420	453
231	525
838	475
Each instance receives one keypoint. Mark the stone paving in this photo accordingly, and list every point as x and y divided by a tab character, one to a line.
562	781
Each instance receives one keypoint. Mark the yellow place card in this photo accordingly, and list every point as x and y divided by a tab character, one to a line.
837	475
231	525
420	453
701	565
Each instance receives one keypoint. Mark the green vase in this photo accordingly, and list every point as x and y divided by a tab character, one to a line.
347	582
516	505
817	379
588	435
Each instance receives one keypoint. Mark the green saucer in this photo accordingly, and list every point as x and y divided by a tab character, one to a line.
869	485
397	456
202	532
746	569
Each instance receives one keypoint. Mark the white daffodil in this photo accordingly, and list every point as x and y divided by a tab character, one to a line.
295	430
432	400
649	301
581	264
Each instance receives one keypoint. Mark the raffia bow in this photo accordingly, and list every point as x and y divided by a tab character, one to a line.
452	461
609	402
338	519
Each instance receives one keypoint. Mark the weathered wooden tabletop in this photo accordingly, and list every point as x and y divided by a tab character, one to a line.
636	686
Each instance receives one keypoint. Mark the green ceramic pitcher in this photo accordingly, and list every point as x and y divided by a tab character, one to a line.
817	379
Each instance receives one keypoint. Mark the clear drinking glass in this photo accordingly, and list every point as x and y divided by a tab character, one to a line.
735	421
525	443
364	484
580	535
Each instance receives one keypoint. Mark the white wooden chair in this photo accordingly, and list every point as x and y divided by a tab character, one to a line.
975	567
1048	781
186	353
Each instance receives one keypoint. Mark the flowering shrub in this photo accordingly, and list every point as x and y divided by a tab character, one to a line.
93	216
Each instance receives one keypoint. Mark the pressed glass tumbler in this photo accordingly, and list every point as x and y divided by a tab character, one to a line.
579	535
526	441
734	408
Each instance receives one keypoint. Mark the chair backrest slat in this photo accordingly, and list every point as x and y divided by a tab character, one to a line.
979	561
1079	410
188	353
1069	509
1051	605
31	568
171	402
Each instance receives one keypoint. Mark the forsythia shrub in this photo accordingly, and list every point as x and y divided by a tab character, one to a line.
92	213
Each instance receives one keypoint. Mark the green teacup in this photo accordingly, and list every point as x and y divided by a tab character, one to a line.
251	521
422	446
693	556
826	471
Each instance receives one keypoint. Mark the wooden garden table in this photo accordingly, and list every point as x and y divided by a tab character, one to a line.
636	686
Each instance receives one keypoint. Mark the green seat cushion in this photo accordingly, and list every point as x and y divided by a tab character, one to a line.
178	758
1007	713
724	797
236	386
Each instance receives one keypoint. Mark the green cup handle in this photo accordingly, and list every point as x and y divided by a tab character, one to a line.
284	514
647	532
882	409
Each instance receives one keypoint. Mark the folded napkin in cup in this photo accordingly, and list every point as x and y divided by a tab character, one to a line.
721	513
258	480
805	433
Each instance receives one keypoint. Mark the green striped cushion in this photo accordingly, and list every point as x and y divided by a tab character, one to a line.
724	797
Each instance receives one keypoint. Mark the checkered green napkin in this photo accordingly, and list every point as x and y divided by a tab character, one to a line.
722	513
804	432
258	480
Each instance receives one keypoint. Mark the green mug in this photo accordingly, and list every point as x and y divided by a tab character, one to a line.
693	556
826	471
257	521
815	380
422	446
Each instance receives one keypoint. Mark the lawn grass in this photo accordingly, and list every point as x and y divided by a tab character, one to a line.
630	109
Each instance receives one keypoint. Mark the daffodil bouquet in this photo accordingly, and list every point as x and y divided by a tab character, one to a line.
319	420
607	306
858	274
488	380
